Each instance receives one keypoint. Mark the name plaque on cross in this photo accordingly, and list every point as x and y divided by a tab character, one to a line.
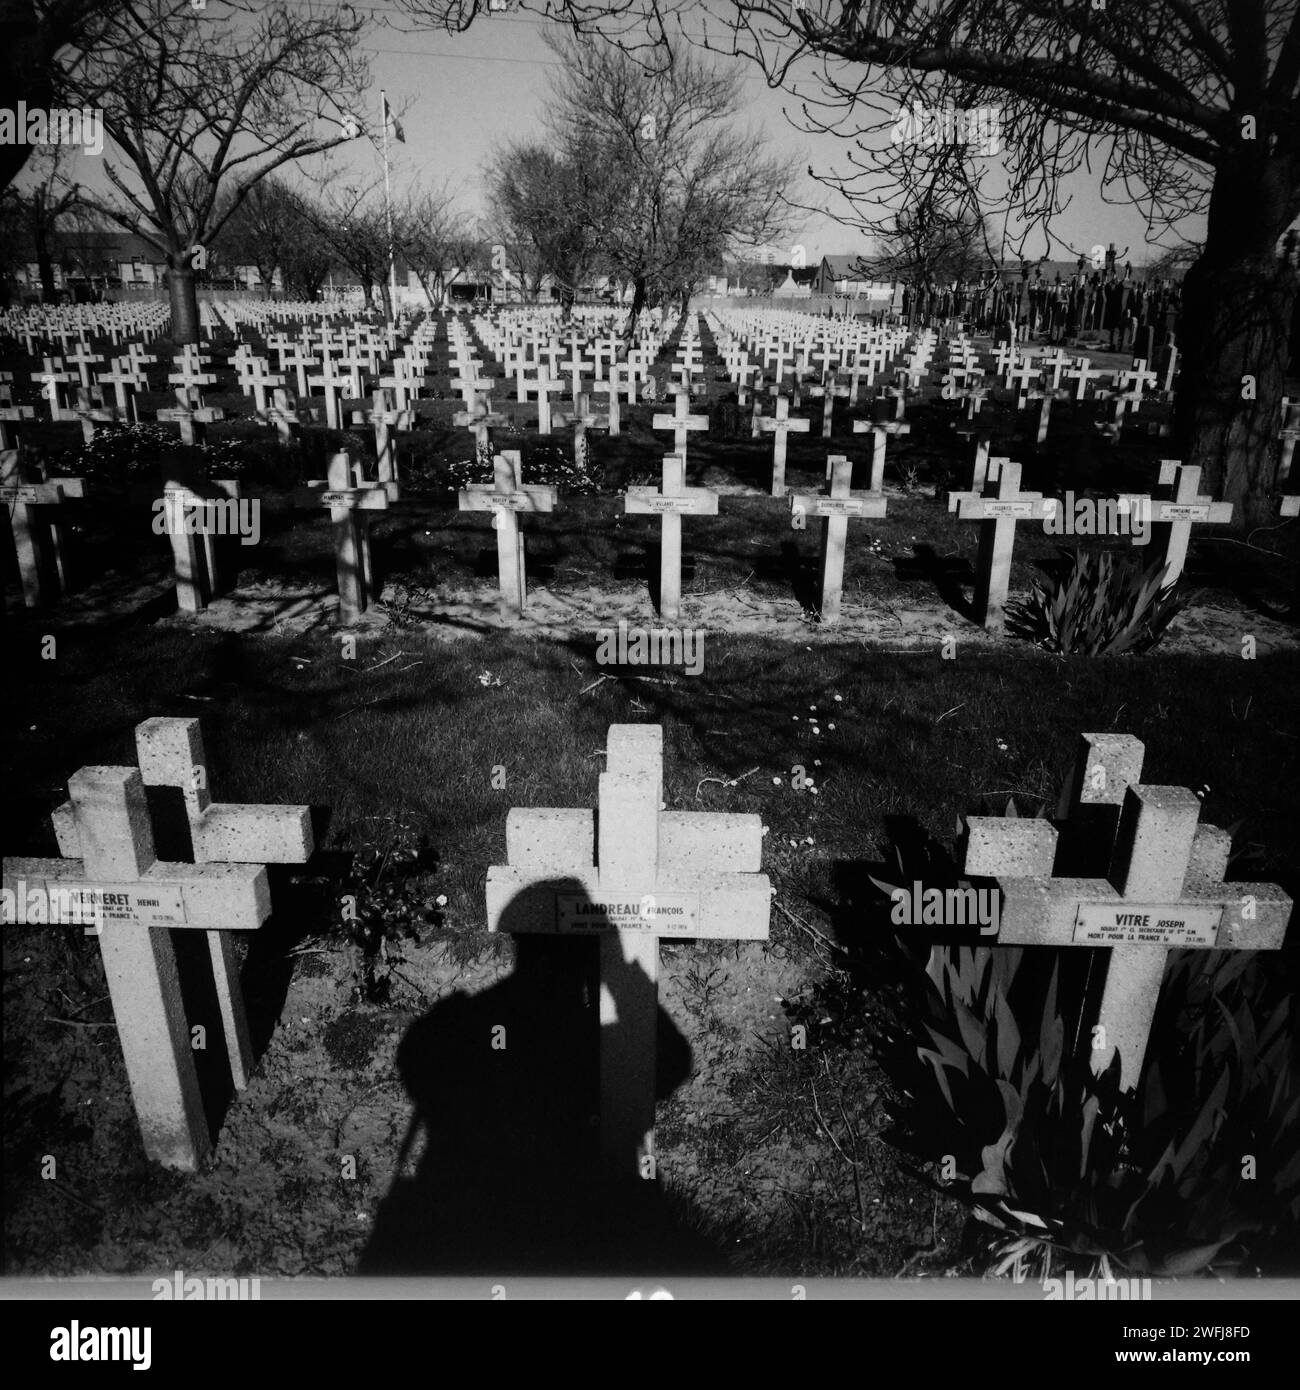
1102	924
120	902
28	495
667	914
1173	511
991	509
655	504
835	506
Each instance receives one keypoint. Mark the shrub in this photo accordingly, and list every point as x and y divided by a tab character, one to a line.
1101	603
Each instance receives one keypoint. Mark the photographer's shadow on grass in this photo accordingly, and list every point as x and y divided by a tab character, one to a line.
504	1086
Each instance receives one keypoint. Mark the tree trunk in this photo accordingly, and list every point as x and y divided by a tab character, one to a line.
45	264
1233	341
638	304
184	300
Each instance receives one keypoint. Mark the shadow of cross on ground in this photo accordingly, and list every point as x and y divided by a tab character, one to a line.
539	1094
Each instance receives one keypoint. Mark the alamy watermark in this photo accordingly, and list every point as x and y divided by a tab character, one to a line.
57	125
38	904
919	906
179	512
933	127
1099	516
656	646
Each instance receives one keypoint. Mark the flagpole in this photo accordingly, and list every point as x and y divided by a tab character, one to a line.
388	211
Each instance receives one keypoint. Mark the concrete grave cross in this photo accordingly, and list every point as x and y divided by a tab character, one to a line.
612	418
194	515
779	426
386	421
1083	373
544	387
190	415
682	422
347	498
1288	434
979	471
480	419
52	377
126	380
333	384
656	874
505	497
470	387
829	391
1055	364
282	415
670	503
1132	384
13	414
1172	518
998	512
170	754
576	365
836	508
82	359
88	406
37	528
254	378
1163	890
1021	377
1046	395
581	418
134	901
880	431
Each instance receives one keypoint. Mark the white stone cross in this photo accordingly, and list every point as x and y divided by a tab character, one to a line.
480	419
254	377
1288	434
189	512
656	875
1177	514
135	902
191	415
682	422
52	377
126	380
347	498
836	507
387	421
880	430
1083	373
544	387
779	427
505	497
170	754
670	503
998	512
37	529
1163	889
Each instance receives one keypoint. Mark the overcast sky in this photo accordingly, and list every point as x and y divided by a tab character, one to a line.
463	93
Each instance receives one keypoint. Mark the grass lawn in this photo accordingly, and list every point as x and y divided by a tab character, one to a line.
400	760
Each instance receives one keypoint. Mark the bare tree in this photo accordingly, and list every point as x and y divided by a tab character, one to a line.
42	206
1192	105
437	241
203	108
41	41
671	186
351	221
263	228
541	203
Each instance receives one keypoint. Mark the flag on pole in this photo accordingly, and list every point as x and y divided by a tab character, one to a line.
389	118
